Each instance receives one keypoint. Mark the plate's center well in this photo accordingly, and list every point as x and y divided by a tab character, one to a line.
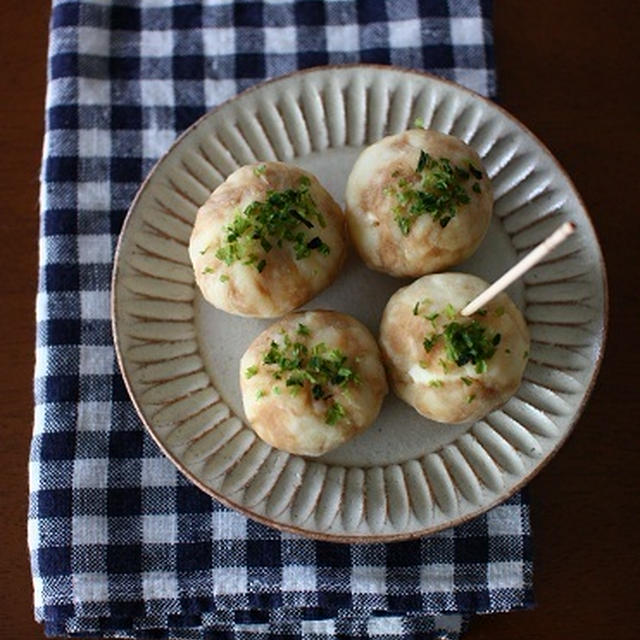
399	433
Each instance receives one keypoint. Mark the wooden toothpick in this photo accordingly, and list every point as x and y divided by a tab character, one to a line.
520	268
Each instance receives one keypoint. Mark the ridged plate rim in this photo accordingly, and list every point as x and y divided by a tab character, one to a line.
346	536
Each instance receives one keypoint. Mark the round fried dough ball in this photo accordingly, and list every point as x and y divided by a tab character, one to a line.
267	240
448	367
312	381
418	202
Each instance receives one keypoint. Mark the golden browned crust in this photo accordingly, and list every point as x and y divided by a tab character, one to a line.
428	247
285	283
297	423
413	371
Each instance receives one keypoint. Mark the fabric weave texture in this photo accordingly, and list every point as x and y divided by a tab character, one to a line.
121	544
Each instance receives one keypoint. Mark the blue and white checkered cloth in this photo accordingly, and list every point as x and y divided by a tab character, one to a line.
121	544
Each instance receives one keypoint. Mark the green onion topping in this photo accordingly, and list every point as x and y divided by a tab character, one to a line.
284	217
317	368
251	371
437	189
334	413
430	342
303	330
464	343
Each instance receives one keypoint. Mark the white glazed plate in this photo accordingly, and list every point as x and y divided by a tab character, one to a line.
405	476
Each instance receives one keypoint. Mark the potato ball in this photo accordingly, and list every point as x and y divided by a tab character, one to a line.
448	367
418	202
312	381
267	240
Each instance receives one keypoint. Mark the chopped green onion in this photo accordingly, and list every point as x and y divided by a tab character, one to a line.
281	218
436	190
466	343
334	413
251	371
430	341
316	368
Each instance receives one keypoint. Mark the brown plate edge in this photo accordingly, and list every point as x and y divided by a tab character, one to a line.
362	538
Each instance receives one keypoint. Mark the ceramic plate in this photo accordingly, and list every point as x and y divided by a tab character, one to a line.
405	476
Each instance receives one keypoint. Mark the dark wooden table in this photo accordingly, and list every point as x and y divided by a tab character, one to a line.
569	71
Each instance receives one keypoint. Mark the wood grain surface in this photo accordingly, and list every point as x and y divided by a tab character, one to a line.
569	71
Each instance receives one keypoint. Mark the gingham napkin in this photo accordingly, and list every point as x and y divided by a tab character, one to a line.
121	544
